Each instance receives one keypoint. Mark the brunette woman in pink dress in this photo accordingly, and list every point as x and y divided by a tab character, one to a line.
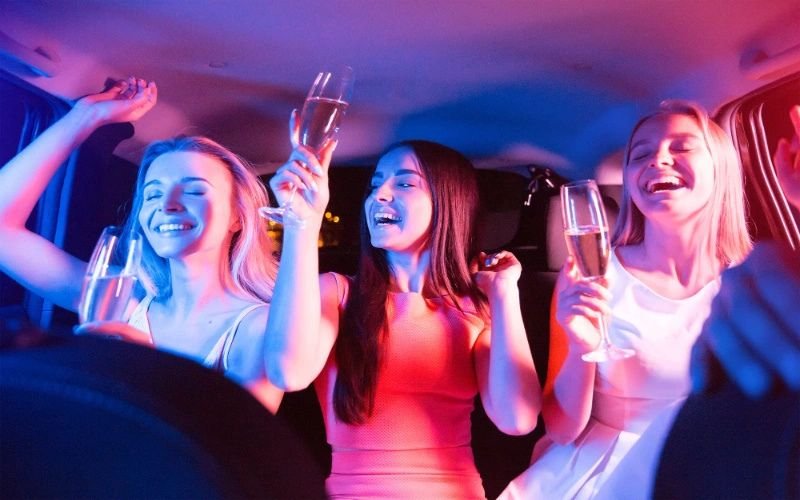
398	352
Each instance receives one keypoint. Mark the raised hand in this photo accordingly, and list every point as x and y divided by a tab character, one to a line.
127	101
303	179
495	271
580	305
787	160
753	332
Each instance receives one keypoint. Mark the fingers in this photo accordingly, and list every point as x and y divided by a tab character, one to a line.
765	303
794	115
737	361
317	162
99	328
787	160
494	259
568	275
326	153
152	95
585	297
294	129
502	264
751	328
572	271
308	160
146	96
301	171
705	371
302	177
130	88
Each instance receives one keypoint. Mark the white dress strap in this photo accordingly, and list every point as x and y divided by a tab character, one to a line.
139	319
218	357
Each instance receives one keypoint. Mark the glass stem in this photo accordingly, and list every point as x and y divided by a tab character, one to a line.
605	342
292	192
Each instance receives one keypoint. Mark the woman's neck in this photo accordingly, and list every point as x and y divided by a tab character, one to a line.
683	254
409	272
197	283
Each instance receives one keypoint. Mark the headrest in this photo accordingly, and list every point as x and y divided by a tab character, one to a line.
86	417
556	245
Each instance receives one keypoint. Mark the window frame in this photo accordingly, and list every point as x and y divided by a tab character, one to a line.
769	212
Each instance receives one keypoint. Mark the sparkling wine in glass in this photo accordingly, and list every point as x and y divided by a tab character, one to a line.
322	114
110	278
586	232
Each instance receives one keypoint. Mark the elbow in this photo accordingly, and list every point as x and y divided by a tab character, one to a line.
284	379
518	427
516	423
560	429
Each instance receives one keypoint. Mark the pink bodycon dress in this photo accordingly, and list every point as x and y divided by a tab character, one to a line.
417	442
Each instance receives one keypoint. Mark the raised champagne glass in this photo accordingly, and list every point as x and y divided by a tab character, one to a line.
586	232
110	278
323	110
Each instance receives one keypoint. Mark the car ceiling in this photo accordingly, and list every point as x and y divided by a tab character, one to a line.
556	83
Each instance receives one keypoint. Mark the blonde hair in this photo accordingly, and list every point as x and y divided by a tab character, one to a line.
251	259
732	241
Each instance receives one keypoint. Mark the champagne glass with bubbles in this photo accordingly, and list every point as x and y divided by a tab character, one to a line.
110	278
320	118
586	232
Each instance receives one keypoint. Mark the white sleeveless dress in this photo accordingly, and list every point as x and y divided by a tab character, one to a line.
217	358
635	400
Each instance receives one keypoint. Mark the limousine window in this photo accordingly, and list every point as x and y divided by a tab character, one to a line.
756	122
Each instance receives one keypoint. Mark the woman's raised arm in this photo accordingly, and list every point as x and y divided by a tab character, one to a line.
28	258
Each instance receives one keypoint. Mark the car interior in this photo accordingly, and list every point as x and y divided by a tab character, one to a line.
535	94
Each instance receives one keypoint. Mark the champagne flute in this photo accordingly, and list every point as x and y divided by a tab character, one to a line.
586	232
323	110
110	278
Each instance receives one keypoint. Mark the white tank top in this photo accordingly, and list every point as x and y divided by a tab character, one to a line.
217	358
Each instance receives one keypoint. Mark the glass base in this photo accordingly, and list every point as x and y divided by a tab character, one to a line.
607	353
282	215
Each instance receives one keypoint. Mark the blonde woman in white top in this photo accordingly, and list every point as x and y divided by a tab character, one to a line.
681	224
208	269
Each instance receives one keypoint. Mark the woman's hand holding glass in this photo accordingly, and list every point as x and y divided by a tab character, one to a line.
111	275
117	330
303	180
323	110
586	234
581	305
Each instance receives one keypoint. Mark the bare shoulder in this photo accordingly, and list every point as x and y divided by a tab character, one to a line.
334	288
245	360
254	323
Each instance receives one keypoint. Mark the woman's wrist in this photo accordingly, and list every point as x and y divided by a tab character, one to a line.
502	289
81	122
307	228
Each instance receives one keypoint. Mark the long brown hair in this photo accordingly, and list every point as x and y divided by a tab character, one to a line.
359	346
